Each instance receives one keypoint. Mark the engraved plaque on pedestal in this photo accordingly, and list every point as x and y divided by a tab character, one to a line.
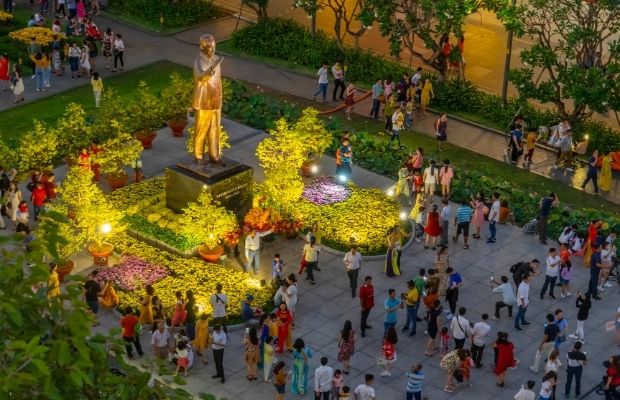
231	185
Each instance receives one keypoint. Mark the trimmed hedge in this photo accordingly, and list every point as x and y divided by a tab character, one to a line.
287	40
178	13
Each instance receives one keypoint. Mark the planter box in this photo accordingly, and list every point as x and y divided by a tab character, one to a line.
158	244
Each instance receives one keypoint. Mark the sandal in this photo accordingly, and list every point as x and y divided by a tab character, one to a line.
466	247
448	389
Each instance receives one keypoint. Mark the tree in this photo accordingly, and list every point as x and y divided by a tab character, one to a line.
574	61
312	134
259	7
119	150
310	7
74	134
434	22
207	221
146	110
48	350
38	148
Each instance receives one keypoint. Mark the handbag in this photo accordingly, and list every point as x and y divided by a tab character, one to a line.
458	375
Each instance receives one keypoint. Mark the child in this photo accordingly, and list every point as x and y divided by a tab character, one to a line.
465	367
336	384
530	145
279	380
418	183
182	358
345	393
267	358
444	337
565	270
276	268
97	84
408	113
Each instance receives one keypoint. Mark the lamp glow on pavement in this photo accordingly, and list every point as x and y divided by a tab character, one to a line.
342	178
314	169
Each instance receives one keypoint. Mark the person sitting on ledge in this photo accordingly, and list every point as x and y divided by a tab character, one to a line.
250	315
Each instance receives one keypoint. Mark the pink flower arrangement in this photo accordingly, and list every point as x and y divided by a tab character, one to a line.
325	190
131	273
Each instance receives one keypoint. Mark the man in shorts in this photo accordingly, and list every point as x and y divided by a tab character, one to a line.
462	219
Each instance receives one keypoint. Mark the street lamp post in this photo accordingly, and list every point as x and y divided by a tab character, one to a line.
507	63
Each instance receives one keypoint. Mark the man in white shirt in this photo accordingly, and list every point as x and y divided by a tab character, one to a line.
444	217
366	391
415	79
159	341
493	217
290	296
478	339
323	376
551	273
338	73
219	302
218	342
523	300
526	392
508	296
252	250
322	74
352	262
398	123
460	328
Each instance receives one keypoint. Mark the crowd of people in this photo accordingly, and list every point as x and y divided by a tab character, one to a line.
81	51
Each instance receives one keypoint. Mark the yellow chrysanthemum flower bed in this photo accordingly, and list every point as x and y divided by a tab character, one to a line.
42	36
5	17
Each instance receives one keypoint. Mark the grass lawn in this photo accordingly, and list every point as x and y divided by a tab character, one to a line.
18	120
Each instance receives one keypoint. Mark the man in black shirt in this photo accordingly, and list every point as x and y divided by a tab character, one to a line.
545	210
575	363
520	269
91	294
547	344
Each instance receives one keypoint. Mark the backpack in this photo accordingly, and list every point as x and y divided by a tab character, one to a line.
531	227
515	267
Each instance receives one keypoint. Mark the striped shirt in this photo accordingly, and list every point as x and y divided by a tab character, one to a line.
414	381
463	214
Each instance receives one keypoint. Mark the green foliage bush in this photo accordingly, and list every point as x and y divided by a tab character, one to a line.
287	40
177	13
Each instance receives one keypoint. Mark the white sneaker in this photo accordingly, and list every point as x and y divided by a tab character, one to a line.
418	240
449	316
573	336
533	369
562	295
600	288
568	294
607	284
384	373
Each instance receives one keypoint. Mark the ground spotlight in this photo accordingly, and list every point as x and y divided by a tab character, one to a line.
403	215
342	178
314	169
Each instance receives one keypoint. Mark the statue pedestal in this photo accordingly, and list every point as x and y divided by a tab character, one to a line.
231	185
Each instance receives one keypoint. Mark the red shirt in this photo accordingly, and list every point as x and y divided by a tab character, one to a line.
615	380
38	196
367	296
388	349
128	323
565	256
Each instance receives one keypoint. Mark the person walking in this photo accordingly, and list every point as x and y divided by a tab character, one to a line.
433	327
252	250
432	229
452	292
398	123
595	269
92	291
508	300
301	353
391	306
388	351
377	95
460	328
367	302
516	144
493	217
426	96
218	343
118	50
576	359
592	172
323	380
441	130
547	343
478	218
444	218
323	82
160	341
338	74
311	258
219	302
128	326
349	100
523	300
551	273
446	174
461	221
479	334
203	338
97	83
415	381
250	340
584	304
545	209
505	352
352	262
412	301
346	345
284	322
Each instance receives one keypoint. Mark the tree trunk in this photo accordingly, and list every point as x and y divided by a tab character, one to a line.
313	25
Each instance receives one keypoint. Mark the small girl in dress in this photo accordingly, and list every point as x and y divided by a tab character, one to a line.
178	318
446	173
182	356
465	367
336	384
444	338
268	351
565	270
345	393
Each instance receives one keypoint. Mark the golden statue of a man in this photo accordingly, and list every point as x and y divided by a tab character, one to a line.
207	101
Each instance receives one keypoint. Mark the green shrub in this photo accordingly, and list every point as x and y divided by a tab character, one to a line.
177	13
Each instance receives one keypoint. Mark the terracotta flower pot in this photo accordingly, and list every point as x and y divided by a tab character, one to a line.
210	255
146	138
306	168
177	127
116	182
64	270
100	253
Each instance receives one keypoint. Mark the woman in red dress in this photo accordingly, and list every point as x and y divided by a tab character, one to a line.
433	229
284	319
589	246
505	357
